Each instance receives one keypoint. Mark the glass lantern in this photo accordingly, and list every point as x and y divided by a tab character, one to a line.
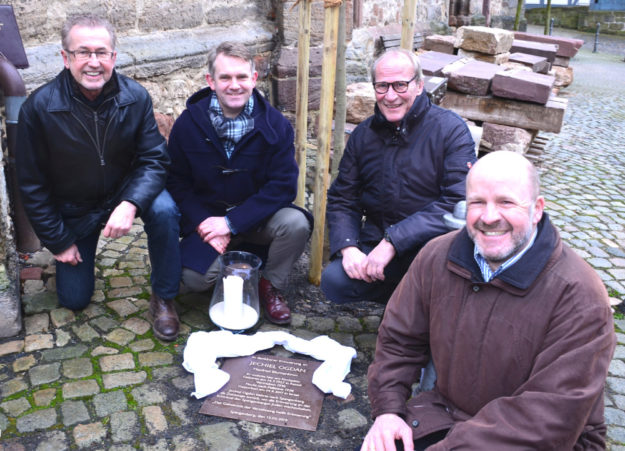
234	305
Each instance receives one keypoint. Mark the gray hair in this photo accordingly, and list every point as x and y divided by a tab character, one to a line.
416	64
86	20
232	49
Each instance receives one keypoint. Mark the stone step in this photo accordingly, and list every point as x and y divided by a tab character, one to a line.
567	47
499	58
475	77
505	137
532	116
484	39
440	43
535	48
520	84
536	63
433	63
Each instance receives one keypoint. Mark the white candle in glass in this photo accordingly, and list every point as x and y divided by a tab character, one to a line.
233	298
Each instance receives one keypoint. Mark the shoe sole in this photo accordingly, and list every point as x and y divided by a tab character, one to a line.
164	337
158	334
278	322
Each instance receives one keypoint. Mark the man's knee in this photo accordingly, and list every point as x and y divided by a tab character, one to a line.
335	283
196	282
74	298
163	209
293	223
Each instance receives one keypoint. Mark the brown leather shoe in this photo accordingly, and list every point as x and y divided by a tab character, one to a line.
165	322
276	309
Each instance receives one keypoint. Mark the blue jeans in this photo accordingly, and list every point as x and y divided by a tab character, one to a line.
75	284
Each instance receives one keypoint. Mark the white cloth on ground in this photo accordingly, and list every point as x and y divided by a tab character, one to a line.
204	348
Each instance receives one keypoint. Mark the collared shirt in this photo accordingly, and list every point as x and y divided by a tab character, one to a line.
231	130
487	273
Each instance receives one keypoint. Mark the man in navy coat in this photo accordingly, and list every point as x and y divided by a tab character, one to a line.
402	170
234	178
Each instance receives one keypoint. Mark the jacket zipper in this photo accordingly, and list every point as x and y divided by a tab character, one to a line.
97	139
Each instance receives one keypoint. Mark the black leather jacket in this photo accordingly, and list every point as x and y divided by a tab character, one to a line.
76	161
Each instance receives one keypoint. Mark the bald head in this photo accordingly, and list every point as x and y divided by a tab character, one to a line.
508	166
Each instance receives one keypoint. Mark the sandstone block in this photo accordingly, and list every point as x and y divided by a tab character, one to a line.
503	137
165	122
484	39
563	75
287	62
536	63
360	101
535	48
561	61
440	43
31	273
286	93
523	85
567	47
433	63
530	116
499	58
474	77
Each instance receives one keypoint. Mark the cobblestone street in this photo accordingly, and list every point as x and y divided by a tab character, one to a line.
99	379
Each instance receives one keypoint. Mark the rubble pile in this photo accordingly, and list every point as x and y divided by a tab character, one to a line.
506	82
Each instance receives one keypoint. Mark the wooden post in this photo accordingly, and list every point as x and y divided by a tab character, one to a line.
547	17
328	76
486	11
407	23
517	17
301	102
340	109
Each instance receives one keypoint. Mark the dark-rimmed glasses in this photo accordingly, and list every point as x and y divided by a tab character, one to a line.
381	87
83	55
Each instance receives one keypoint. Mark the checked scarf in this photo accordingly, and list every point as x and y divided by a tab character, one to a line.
231	130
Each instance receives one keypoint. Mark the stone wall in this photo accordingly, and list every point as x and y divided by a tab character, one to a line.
580	18
10	318
161	44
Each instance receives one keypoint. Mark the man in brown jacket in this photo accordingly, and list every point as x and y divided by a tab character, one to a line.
517	325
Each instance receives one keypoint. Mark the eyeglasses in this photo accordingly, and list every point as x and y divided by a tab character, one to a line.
381	87
83	55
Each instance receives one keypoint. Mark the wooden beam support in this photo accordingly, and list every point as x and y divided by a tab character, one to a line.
328	78
531	116
407	23
301	102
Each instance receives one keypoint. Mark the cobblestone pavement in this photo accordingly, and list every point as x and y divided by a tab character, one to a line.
99	379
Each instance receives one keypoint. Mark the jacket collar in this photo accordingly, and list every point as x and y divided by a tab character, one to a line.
62	94
524	272
418	109
198	105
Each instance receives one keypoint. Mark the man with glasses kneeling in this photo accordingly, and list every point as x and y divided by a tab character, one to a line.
403	169
91	159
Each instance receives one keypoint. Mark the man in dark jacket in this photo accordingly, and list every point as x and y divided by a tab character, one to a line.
234	177
518	327
91	159
402	170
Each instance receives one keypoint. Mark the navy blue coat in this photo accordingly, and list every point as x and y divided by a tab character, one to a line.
259	178
401	180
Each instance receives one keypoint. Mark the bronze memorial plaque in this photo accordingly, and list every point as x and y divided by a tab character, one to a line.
268	389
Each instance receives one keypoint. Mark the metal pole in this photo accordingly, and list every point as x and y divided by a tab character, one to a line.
15	94
551	25
594	49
